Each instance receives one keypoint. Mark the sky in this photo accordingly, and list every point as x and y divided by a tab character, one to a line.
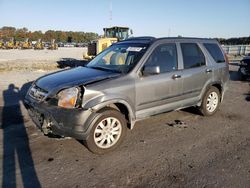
158	18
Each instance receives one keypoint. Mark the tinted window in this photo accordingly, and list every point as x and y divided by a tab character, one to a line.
192	55
164	56
215	52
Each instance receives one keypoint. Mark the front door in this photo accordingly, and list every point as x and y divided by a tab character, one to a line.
156	92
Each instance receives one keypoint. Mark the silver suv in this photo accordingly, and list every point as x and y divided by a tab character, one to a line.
129	81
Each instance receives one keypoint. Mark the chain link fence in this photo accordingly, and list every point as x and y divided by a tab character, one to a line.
237	50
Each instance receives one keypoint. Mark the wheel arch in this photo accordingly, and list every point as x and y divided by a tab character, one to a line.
216	84
120	105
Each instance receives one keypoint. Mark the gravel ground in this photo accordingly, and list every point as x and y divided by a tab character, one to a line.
203	152
44	55
40	59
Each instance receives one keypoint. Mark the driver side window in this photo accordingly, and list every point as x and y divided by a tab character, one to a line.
165	57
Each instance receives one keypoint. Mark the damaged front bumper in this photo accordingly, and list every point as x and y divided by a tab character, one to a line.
59	121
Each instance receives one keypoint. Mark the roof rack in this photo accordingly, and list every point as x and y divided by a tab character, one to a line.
148	38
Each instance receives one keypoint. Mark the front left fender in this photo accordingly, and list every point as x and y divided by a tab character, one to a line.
102	101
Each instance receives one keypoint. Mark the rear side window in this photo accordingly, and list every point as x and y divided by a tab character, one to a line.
192	55
215	52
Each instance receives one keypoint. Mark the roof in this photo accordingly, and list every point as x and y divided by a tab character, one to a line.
150	39
115	27
143	40
187	38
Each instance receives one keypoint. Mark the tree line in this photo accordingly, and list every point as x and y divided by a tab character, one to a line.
234	41
20	34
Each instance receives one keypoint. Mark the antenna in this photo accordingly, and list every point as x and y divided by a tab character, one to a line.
169	32
110	12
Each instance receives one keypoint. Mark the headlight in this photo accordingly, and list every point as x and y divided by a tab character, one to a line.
68	98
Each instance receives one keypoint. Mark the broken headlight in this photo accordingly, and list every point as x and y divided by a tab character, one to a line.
67	98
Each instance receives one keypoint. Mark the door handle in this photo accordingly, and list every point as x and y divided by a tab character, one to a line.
209	70
176	76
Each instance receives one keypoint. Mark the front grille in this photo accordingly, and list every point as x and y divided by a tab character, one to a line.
38	93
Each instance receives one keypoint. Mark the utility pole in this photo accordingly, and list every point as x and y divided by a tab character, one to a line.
110	12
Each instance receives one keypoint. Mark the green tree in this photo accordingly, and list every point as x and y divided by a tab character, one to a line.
61	36
37	35
21	34
7	32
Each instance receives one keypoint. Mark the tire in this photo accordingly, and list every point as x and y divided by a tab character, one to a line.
242	77
210	102
108	131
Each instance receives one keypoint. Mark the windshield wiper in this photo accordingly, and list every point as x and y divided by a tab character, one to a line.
104	69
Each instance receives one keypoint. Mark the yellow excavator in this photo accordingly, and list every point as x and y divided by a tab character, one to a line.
1	44
26	44
39	45
17	45
53	45
9	44
111	35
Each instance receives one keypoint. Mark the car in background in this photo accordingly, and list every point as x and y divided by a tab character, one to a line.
81	45
60	44
69	45
244	69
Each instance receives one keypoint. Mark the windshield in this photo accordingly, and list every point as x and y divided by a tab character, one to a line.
122	35
110	33
119	33
119	57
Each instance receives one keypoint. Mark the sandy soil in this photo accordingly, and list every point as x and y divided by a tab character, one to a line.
45	55
39	59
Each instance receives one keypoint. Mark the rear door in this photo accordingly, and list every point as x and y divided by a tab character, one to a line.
216	55
197	71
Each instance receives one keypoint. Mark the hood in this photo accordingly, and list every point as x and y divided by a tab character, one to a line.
72	77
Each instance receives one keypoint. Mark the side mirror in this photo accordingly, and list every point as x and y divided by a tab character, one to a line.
131	32
151	70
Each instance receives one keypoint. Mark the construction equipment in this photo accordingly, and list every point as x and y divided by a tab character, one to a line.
26	44
111	35
53	45
9	44
39	45
1	44
17	45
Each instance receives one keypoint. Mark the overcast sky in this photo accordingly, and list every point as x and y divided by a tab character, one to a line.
193	18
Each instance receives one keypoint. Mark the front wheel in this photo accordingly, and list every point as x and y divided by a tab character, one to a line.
108	131
210	101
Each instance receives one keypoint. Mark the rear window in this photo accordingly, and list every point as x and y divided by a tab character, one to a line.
215	52
192	55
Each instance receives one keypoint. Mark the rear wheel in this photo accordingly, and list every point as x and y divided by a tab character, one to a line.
210	101
108	131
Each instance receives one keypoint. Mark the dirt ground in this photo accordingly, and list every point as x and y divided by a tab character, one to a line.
30	60
203	152
44	55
